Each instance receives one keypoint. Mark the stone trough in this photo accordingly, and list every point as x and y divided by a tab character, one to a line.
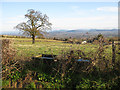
47	62
45	58
52	58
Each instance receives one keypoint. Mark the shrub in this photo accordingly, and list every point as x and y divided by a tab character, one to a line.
9	64
30	86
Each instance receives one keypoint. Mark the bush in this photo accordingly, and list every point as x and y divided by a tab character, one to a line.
30	86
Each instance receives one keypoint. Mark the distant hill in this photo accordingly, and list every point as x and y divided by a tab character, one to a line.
16	33
103	30
79	33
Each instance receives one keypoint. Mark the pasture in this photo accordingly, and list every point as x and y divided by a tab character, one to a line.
47	46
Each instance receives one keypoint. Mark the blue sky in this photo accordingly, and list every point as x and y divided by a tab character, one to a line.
63	15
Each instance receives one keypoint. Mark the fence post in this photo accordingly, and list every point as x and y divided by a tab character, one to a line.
119	43
113	52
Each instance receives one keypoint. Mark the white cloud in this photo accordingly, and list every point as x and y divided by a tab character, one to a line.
8	24
74	7
98	22
77	11
103	22
108	9
15	20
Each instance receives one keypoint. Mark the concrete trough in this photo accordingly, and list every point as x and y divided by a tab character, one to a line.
52	58
49	61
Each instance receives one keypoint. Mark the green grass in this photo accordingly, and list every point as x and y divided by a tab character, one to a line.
45	46
5	83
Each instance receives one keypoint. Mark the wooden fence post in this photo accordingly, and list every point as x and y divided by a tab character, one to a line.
113	52
119	45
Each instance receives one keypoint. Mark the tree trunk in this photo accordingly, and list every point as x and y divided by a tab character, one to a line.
33	39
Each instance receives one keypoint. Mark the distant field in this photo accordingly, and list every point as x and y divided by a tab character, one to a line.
25	48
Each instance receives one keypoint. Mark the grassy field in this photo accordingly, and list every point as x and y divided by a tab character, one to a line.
25	48
50	46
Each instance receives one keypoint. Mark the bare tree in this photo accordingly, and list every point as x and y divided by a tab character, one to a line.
36	25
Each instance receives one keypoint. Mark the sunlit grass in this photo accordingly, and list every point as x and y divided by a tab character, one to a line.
46	46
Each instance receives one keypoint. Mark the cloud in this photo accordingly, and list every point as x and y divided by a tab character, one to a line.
108	9
15	20
9	23
77	11
74	7
98	22
101	22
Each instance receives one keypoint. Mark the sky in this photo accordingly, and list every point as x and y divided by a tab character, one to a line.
62	15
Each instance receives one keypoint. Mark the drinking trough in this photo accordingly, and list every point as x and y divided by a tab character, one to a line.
52	58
